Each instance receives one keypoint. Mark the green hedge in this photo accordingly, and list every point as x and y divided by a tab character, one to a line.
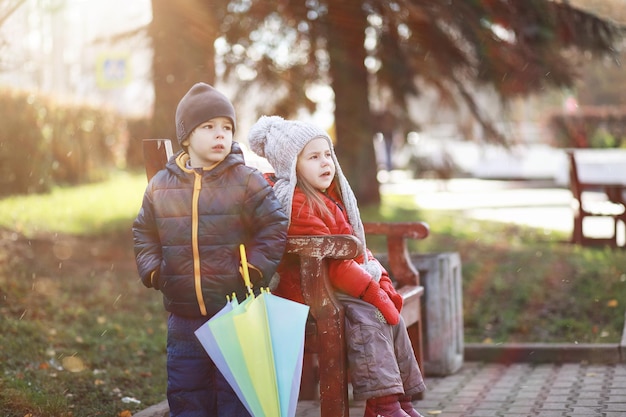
25	164
44	142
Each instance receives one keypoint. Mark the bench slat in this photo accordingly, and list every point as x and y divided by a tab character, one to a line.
411	310
400	265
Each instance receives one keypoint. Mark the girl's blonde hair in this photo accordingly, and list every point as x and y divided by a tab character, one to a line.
314	199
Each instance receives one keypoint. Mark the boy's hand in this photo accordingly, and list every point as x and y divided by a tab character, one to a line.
377	297
387	286
154	279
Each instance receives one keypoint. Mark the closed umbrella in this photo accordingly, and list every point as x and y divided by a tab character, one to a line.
258	346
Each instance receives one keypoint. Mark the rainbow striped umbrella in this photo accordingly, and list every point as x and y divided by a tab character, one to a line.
258	346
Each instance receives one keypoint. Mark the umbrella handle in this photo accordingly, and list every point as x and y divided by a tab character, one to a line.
244	267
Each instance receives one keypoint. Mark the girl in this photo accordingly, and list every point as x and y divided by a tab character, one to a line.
309	183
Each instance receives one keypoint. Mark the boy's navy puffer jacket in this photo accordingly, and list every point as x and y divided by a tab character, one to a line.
191	223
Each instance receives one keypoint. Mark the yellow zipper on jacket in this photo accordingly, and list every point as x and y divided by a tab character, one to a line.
197	275
181	161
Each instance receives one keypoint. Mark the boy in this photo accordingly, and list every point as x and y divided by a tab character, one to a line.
195	214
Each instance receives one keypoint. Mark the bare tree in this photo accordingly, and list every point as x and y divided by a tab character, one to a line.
183	35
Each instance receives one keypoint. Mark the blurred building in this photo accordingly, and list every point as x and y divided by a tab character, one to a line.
92	51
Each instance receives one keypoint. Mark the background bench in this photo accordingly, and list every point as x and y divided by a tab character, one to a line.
325	347
597	171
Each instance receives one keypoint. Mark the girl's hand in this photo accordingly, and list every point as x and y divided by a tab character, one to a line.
377	297
387	286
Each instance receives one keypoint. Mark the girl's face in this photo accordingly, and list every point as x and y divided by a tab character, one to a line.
315	164
210	142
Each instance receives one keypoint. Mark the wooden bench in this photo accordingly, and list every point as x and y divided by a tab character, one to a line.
325	347
583	207
325	334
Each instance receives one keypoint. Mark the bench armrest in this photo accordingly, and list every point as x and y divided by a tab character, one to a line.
313	252
324	246
400	265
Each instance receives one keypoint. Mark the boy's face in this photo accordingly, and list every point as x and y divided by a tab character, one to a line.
315	164
210	142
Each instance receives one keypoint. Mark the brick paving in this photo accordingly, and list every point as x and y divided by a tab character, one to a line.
518	390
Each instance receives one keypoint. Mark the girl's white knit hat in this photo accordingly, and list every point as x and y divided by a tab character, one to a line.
280	141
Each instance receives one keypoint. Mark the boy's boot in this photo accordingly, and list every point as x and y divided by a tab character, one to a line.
387	406
407	406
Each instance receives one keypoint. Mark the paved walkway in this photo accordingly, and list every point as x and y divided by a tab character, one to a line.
540	204
518	390
514	390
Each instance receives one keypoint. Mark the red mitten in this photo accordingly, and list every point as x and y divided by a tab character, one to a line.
387	286
377	297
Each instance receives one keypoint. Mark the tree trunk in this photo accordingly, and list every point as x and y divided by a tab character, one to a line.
355	149
183	35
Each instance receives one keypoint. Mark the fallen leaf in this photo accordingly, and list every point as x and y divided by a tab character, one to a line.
612	303
73	364
125	413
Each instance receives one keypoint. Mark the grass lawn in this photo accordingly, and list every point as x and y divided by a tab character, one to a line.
80	336
522	284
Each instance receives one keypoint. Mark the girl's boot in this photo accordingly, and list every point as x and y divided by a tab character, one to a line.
387	406
407	406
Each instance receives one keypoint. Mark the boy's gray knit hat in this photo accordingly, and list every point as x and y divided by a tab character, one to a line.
280	141
201	103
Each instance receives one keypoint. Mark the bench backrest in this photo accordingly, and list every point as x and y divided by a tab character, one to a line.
156	152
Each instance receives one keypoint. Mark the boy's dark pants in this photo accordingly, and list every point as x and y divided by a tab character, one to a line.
195	387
